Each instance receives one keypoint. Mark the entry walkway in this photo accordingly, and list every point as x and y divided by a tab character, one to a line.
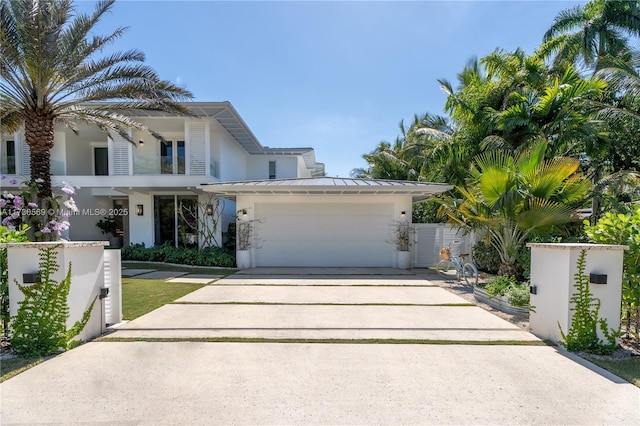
450	363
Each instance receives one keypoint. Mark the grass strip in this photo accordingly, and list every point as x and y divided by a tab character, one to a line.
326	341
11	367
323	304
626	368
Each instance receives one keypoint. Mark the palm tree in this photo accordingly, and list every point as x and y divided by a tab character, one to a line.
509	198
560	112
591	32
623	74
49	74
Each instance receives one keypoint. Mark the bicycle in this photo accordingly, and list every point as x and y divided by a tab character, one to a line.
464	269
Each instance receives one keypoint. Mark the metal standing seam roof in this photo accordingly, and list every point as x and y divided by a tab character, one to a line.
327	186
225	113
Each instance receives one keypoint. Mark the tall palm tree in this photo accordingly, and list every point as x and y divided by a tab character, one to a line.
50	74
511	197
591	32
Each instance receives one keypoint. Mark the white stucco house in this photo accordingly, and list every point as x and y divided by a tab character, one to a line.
304	218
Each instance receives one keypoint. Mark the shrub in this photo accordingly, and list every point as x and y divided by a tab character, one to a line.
510	288
498	285
518	295
486	257
211	256
623	229
488	260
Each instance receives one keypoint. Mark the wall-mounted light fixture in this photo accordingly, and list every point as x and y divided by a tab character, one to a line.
141	142
139	209
209	210
244	213
403	214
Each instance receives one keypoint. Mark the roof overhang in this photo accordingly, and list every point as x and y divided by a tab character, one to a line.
419	191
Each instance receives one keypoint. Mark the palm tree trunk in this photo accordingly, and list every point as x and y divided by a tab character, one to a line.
39	136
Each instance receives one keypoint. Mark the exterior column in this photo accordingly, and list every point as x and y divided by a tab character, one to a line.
553	270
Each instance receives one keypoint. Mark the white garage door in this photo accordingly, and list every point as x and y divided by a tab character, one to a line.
325	234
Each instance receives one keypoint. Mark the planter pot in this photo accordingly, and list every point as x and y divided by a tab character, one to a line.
403	259
499	302
115	242
243	259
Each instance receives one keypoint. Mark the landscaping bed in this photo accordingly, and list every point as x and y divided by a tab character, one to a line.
499	302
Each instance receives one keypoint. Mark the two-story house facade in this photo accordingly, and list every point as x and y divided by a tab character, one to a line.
150	185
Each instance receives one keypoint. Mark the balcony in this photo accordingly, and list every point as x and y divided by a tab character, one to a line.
162	165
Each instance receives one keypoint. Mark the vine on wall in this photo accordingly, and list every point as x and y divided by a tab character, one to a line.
40	326
583	332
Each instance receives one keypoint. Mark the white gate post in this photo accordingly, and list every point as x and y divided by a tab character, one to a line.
87	277
553	269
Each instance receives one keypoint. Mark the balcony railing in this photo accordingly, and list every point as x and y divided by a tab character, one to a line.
8	165
162	165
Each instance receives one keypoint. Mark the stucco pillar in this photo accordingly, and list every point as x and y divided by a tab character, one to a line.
553	270
87	277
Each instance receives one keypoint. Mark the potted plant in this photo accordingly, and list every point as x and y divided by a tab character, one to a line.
403	244
243	244
108	227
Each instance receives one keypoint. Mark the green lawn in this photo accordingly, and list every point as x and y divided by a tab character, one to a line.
14	366
140	296
628	368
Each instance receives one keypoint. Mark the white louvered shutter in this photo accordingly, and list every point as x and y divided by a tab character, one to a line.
25	156
197	149
120	150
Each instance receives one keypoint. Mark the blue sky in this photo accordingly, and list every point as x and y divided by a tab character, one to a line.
336	76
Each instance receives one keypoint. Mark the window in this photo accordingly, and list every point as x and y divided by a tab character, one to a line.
272	169
100	161
8	160
176	220
172	157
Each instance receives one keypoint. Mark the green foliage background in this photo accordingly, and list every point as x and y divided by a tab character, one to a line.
623	229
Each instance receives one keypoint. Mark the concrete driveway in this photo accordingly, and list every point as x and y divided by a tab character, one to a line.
444	362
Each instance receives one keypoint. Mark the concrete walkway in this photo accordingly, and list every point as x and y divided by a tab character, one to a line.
191	382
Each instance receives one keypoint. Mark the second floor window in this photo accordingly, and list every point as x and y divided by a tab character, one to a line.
100	161
172	157
272	169
8	159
